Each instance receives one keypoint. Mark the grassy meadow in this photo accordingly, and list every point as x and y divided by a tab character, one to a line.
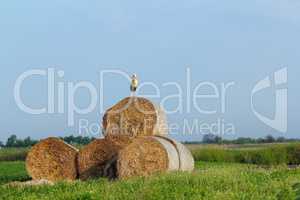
13	154
220	173
263	154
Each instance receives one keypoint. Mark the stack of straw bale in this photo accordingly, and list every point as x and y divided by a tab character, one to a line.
135	144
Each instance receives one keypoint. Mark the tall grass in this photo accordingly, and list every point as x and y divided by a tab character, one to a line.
270	155
13	154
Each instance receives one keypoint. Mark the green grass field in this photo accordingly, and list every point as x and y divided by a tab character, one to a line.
266	154
12	171
210	180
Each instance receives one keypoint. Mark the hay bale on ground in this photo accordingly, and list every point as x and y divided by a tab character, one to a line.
143	157
93	158
53	160
134	116
148	155
185	158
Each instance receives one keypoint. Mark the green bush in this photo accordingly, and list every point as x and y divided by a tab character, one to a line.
272	155
293	154
269	156
13	154
213	155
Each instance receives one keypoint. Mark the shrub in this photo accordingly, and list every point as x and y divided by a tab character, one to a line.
269	156
272	155
293	152
213	155
13	154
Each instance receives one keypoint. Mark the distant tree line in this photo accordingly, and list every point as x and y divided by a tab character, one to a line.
80	140
13	141
215	139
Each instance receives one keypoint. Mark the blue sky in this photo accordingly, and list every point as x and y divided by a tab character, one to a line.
220	41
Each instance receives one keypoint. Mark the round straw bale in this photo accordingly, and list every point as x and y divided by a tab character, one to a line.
161	127
147	155
93	158
184	157
143	157
134	116
120	141
53	160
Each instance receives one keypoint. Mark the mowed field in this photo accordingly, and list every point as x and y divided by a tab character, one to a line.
218	179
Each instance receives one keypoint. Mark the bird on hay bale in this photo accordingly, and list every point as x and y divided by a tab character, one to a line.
134	83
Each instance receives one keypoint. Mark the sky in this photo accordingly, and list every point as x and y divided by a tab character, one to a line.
162	41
